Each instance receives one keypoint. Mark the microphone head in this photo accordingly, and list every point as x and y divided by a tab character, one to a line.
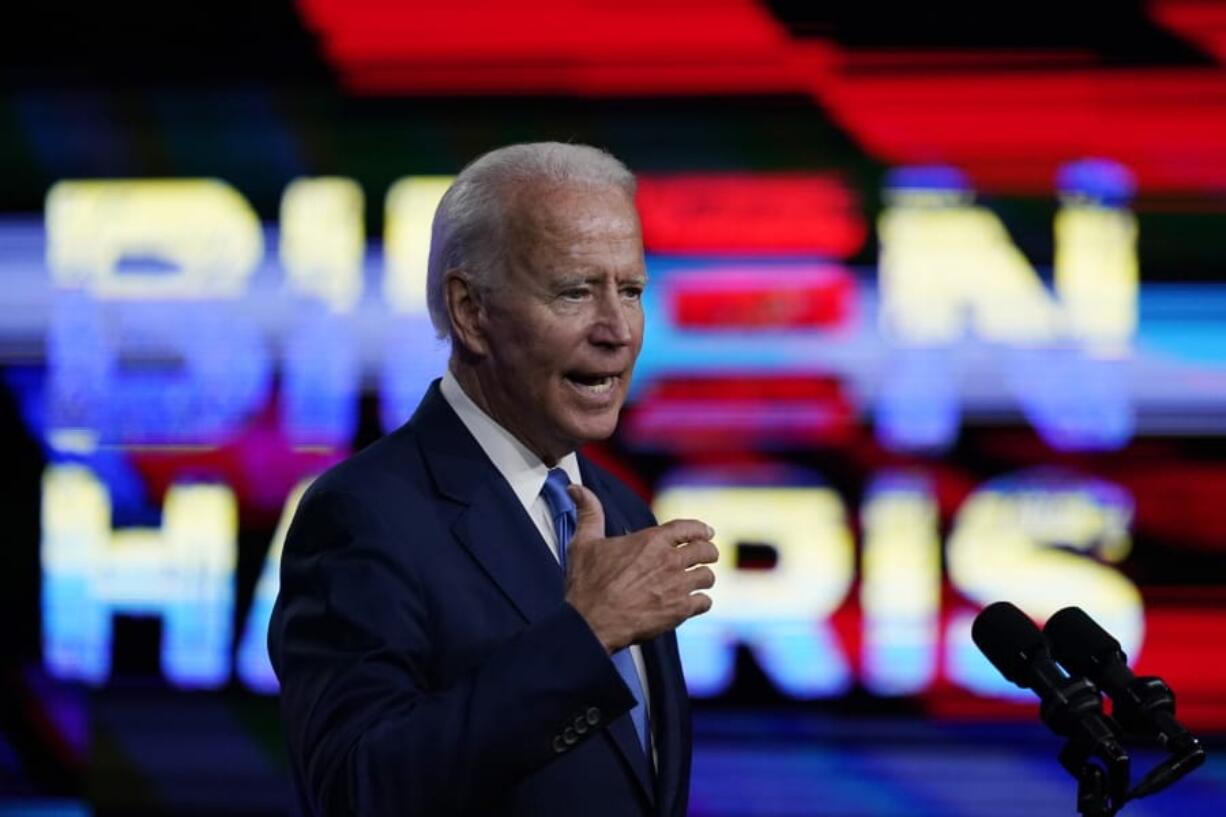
1010	640
1080	643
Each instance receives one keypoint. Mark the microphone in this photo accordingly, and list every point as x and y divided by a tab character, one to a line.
1143	705
1070	706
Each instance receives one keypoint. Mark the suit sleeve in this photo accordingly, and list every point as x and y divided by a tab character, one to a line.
350	640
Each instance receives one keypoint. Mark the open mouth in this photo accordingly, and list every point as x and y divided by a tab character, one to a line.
592	383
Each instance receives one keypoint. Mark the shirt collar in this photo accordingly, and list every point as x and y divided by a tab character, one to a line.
523	470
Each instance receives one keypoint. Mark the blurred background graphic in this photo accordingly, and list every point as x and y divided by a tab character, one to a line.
937	317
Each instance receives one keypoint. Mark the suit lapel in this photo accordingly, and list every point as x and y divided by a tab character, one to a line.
503	540
491	524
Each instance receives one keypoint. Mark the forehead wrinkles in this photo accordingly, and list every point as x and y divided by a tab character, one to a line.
568	220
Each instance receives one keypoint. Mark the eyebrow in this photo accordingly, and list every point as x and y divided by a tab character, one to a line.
576	280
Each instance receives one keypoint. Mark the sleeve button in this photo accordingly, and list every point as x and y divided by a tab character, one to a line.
558	746
581	725
593	716
569	736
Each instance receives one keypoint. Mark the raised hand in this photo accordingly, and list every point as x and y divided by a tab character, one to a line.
631	588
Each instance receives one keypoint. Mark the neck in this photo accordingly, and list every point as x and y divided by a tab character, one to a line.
470	380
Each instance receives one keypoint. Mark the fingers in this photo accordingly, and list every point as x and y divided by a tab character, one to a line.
680	531
591	514
701	552
634	586
700	578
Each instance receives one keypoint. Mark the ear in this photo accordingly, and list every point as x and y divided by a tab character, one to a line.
466	311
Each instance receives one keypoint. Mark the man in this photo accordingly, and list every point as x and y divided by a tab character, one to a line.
459	631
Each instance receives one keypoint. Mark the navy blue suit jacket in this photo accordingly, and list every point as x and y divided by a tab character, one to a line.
428	662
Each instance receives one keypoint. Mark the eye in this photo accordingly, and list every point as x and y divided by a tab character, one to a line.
634	292
574	294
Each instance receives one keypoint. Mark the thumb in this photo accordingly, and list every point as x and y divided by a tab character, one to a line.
591	514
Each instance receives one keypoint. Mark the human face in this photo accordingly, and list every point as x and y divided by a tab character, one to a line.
563	329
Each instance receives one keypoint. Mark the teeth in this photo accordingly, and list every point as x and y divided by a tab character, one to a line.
600	386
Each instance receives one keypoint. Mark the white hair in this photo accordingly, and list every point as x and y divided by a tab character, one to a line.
468	229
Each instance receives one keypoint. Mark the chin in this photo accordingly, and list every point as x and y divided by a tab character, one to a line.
593	429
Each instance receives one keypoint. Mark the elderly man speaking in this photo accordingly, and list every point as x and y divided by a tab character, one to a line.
473	618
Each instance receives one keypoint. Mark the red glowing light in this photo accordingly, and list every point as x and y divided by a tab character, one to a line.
1201	22
749	412
559	46
746	297
1011	131
758	214
1008	119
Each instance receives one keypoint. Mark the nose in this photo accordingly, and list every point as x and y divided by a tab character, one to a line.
614	325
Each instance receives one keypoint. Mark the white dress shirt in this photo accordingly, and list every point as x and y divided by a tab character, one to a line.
525	473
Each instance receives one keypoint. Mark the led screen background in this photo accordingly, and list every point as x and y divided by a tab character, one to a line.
937	316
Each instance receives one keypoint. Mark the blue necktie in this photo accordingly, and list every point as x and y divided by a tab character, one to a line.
565	520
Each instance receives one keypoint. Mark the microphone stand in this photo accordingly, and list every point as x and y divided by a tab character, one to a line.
1094	784
1102	786
1072	706
1144	706
1094	756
